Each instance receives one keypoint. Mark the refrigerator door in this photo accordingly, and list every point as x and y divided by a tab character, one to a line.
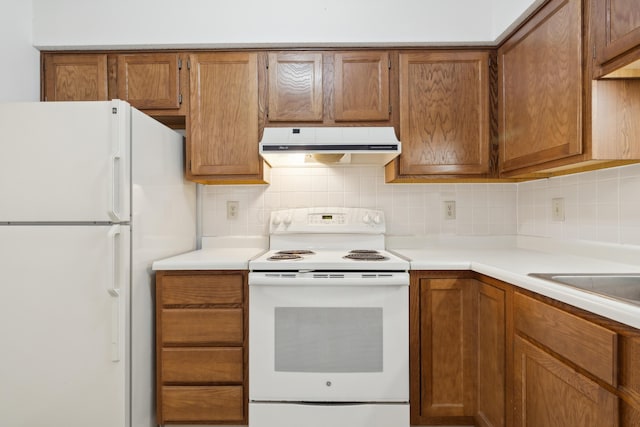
64	161
163	224
63	323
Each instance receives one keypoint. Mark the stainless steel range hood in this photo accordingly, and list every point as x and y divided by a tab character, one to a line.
315	146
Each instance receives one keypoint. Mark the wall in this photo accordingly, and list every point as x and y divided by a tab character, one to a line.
19	74
600	206
154	23
411	209
506	14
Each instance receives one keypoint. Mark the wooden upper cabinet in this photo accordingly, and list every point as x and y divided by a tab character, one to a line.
541	88
75	77
222	140
444	115
295	87
617	28
150	81
325	88
361	86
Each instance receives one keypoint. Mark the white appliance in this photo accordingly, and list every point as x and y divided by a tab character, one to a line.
90	194
328	323
317	146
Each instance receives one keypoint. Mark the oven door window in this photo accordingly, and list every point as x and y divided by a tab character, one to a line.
328	339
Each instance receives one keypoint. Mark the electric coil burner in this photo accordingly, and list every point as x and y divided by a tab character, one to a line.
328	324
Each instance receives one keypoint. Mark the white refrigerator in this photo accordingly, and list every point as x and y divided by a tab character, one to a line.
90	194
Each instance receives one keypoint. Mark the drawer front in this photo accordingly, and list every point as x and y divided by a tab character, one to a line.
202	326
586	344
202	404
202	365
202	289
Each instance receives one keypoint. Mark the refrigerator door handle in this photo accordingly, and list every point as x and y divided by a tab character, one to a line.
114	191
115	279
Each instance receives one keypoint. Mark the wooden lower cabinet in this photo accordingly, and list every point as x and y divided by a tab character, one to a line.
442	354
486	353
201	347
491	357
550	393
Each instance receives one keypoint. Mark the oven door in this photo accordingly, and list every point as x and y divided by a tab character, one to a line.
329	340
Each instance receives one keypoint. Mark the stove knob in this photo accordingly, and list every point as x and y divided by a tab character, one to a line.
287	220
276	220
366	219
377	219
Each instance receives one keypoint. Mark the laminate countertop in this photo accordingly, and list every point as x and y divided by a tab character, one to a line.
507	258
512	259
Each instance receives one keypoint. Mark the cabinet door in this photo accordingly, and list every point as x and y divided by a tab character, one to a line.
551	394
361	86
223	126
447	348
295	87
540	96
617	23
149	81
444	113
491	360
75	77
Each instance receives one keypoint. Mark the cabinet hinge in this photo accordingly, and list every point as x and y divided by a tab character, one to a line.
594	51
188	64
179	64
390	109
180	99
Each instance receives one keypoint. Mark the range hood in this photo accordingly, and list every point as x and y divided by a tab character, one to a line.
315	146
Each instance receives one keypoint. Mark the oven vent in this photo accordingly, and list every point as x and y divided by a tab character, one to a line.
328	276
375	275
281	275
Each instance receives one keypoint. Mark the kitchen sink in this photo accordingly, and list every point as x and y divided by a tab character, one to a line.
621	287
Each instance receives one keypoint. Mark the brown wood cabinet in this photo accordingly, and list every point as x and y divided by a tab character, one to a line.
550	393
74	77
491	357
444	116
152	82
322	88
201	347
615	26
442	353
222	130
553	118
541	80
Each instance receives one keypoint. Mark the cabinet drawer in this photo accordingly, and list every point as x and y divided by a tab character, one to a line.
202	326
201	365
202	404
586	344
202	289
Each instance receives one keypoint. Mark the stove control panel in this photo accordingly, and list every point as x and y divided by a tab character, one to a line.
327	220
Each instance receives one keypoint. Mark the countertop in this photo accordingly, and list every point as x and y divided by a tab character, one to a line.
511	259
507	258
219	253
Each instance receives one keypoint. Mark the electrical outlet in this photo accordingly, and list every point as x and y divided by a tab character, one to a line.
557	209
232	209
449	209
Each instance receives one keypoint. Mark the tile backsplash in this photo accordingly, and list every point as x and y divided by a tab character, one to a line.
410	209
599	206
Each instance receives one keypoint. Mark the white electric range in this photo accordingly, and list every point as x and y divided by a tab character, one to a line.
328	323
